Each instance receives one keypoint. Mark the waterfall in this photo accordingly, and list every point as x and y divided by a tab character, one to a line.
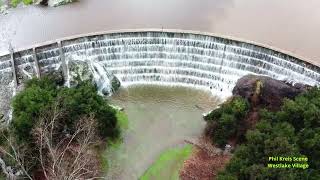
101	77
156	57
86	68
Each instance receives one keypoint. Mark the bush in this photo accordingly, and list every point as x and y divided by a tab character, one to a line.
227	119
28	104
15	3
83	99
292	131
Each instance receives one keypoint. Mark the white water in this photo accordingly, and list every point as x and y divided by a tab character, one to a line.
164	58
185	59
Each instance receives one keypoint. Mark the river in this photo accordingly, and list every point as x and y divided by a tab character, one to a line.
159	118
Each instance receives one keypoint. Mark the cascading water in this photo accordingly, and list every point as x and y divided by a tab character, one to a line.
88	69
157	57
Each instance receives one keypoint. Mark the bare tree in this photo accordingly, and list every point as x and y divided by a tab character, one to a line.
61	153
17	154
66	155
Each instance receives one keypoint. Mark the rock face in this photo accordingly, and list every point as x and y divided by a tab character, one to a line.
262	90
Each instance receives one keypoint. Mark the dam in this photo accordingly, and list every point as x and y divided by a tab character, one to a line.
151	56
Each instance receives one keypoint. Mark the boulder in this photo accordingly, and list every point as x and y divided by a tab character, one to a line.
115	82
57	76
265	91
55	3
42	2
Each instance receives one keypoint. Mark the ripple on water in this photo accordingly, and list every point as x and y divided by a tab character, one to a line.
159	118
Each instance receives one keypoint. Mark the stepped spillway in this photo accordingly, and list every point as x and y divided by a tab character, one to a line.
152	57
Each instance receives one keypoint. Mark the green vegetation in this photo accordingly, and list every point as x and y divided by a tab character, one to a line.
122	120
113	144
169	163
15	3
77	112
39	94
292	131
226	120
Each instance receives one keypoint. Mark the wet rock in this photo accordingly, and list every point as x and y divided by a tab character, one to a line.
55	3
57	76
42	2
115	83
78	71
265	91
4	9
105	91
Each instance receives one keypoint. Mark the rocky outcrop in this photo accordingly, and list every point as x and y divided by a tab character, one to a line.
265	91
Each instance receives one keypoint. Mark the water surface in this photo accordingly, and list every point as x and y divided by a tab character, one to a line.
292	25
159	118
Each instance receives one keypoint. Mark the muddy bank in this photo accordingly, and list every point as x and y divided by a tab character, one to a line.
205	162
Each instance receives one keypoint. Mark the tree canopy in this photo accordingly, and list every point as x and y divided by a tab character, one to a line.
294	131
39	94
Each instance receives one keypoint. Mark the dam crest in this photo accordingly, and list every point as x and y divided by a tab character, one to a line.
163	57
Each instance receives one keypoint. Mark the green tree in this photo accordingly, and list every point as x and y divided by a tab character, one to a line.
227	119
292	131
27	105
39	94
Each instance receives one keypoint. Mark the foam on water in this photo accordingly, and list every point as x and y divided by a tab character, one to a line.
165	58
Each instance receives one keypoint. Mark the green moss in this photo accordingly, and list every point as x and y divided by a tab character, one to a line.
168	165
113	145
27	2
15	3
122	120
2	177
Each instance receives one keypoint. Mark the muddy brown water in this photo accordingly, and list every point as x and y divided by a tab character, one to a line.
292	25
159	118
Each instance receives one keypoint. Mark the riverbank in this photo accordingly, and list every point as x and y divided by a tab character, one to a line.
168	164
55	131
265	117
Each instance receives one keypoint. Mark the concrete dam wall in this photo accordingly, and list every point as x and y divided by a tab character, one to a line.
167	57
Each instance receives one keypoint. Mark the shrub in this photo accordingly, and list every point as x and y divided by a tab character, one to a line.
81	100
226	120
292	131
28	104
15	3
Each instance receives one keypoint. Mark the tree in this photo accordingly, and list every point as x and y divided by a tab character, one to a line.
225	121
63	155
292	131
56	128
27	105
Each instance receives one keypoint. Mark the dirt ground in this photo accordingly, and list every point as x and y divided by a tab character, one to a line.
204	163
